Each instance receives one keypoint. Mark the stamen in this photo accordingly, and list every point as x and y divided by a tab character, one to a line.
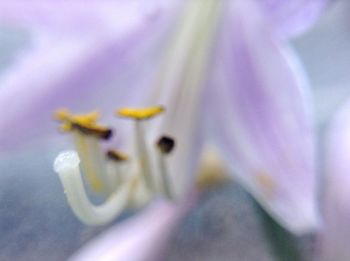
65	115
165	145
67	167
140	113
86	124
86	134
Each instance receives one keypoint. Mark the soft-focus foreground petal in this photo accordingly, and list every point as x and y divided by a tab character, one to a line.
62	70
141	238
292	17
261	119
336	233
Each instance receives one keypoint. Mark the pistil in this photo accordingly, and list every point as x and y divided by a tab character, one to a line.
67	167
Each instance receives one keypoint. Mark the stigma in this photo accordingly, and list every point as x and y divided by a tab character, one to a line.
121	180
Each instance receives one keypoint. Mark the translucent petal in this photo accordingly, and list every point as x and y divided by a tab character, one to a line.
259	116
141	238
336	233
181	83
292	17
89	71
79	18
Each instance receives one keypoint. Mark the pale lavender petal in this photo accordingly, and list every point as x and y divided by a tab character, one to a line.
141	238
84	72
336	233
259	116
73	17
292	17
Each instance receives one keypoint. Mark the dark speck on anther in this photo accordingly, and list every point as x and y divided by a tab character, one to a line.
107	134
166	144
102	133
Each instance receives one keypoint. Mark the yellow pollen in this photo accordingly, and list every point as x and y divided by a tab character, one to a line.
140	113
84	123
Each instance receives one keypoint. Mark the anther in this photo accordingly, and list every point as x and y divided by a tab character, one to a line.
64	115
166	144
96	130
140	113
116	155
85	124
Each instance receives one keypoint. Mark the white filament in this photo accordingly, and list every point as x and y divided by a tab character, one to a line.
67	167
143	157
164	175
93	163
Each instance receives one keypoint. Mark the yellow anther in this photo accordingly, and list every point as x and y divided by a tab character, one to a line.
87	119
140	113
85	123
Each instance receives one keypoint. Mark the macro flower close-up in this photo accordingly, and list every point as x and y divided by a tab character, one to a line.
174	130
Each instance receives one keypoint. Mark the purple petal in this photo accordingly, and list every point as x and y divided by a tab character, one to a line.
336	233
292	17
79	17
261	119
141	238
81	72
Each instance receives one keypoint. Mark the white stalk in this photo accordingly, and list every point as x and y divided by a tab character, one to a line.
115	173
143	157
67	167
164	175
93	163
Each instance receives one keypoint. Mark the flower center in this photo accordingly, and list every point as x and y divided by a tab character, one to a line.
124	180
112	173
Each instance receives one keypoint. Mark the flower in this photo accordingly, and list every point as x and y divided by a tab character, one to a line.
248	97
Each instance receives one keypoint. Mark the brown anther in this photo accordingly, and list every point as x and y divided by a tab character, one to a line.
97	131
116	155
166	144
84	123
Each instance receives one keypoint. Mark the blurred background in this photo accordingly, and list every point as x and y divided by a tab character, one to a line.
36	222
